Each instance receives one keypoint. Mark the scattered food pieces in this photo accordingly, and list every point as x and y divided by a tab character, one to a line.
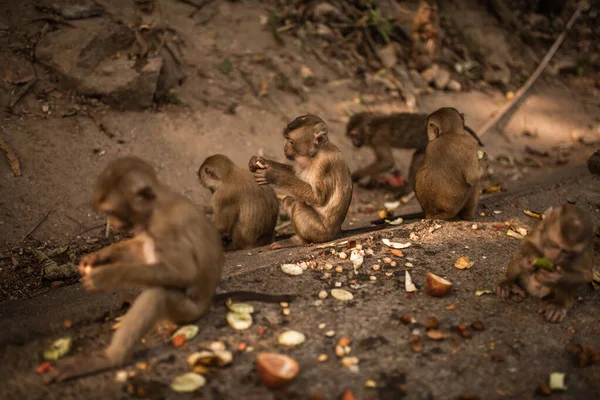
323	294
432	323
349	361
344	341
392	205
533	214
395	245
493	189
409	286
437	286
239	321
178	340
369	383
357	260
407	318
434	334
481	292
188	331
397	253
330	333
451	307
396	221
347	395
292	269
514	234
416	343
291	338
557	381
58	349
44	367
477	325
341	295
322	357
188	382
463	262
276	370
543	263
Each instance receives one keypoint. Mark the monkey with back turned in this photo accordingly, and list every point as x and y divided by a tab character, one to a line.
383	132
554	260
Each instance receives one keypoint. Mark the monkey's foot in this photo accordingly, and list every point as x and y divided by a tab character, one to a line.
77	366
275	246
553	312
505	288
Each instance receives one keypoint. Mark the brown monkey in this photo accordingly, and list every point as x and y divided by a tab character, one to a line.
384	132
320	182
447	182
425	35
565	238
176	256
244	212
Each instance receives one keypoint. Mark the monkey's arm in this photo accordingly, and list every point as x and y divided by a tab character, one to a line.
384	160
302	190
124	250
226	213
254	166
472	133
120	275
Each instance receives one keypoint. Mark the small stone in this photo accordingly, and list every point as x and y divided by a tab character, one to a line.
454	85
441	79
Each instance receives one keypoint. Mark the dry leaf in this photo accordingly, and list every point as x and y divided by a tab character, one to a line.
13	161
463	262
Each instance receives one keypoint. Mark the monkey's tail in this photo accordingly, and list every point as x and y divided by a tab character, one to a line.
472	133
405	217
255	296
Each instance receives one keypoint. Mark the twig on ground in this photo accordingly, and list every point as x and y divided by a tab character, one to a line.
20	94
543	64
29	232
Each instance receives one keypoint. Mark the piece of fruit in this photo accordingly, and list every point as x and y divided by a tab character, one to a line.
437	286
543	263
188	382
291	338
57	349
341	295
178	340
276	370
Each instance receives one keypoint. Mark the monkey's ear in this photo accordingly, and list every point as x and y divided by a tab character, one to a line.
320	135
212	173
433	131
145	192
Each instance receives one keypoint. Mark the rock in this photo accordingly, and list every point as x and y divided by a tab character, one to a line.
496	70
430	73
454	85
441	79
417	79
387	55
72	9
84	60
17	71
594	163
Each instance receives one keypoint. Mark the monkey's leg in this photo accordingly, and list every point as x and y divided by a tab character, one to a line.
384	160
309	225
415	163
468	210
146	310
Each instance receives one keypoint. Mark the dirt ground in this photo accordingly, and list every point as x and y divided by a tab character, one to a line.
62	152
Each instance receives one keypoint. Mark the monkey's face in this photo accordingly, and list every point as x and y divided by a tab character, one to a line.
358	130
209	178
557	248
299	143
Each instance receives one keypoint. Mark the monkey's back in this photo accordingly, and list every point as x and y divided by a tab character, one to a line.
257	214
406	130
440	181
189	238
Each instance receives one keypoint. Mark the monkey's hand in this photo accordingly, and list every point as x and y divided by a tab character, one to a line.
546	277
257	163
91	260
553	312
505	288
97	279
266	176
77	366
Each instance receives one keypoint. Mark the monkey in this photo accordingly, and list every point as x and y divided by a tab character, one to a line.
244	212
447	182
425	35
383	132
175	256
320	183
565	238
594	163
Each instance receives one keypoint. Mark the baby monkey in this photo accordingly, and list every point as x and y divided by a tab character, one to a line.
245	213
447	182
554	260
383	132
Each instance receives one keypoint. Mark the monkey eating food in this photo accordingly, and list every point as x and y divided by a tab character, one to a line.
320	182
383	132
447	182
176	257
555	259
245	213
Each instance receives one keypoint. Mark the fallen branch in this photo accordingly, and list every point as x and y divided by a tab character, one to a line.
13	161
29	232
543	64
